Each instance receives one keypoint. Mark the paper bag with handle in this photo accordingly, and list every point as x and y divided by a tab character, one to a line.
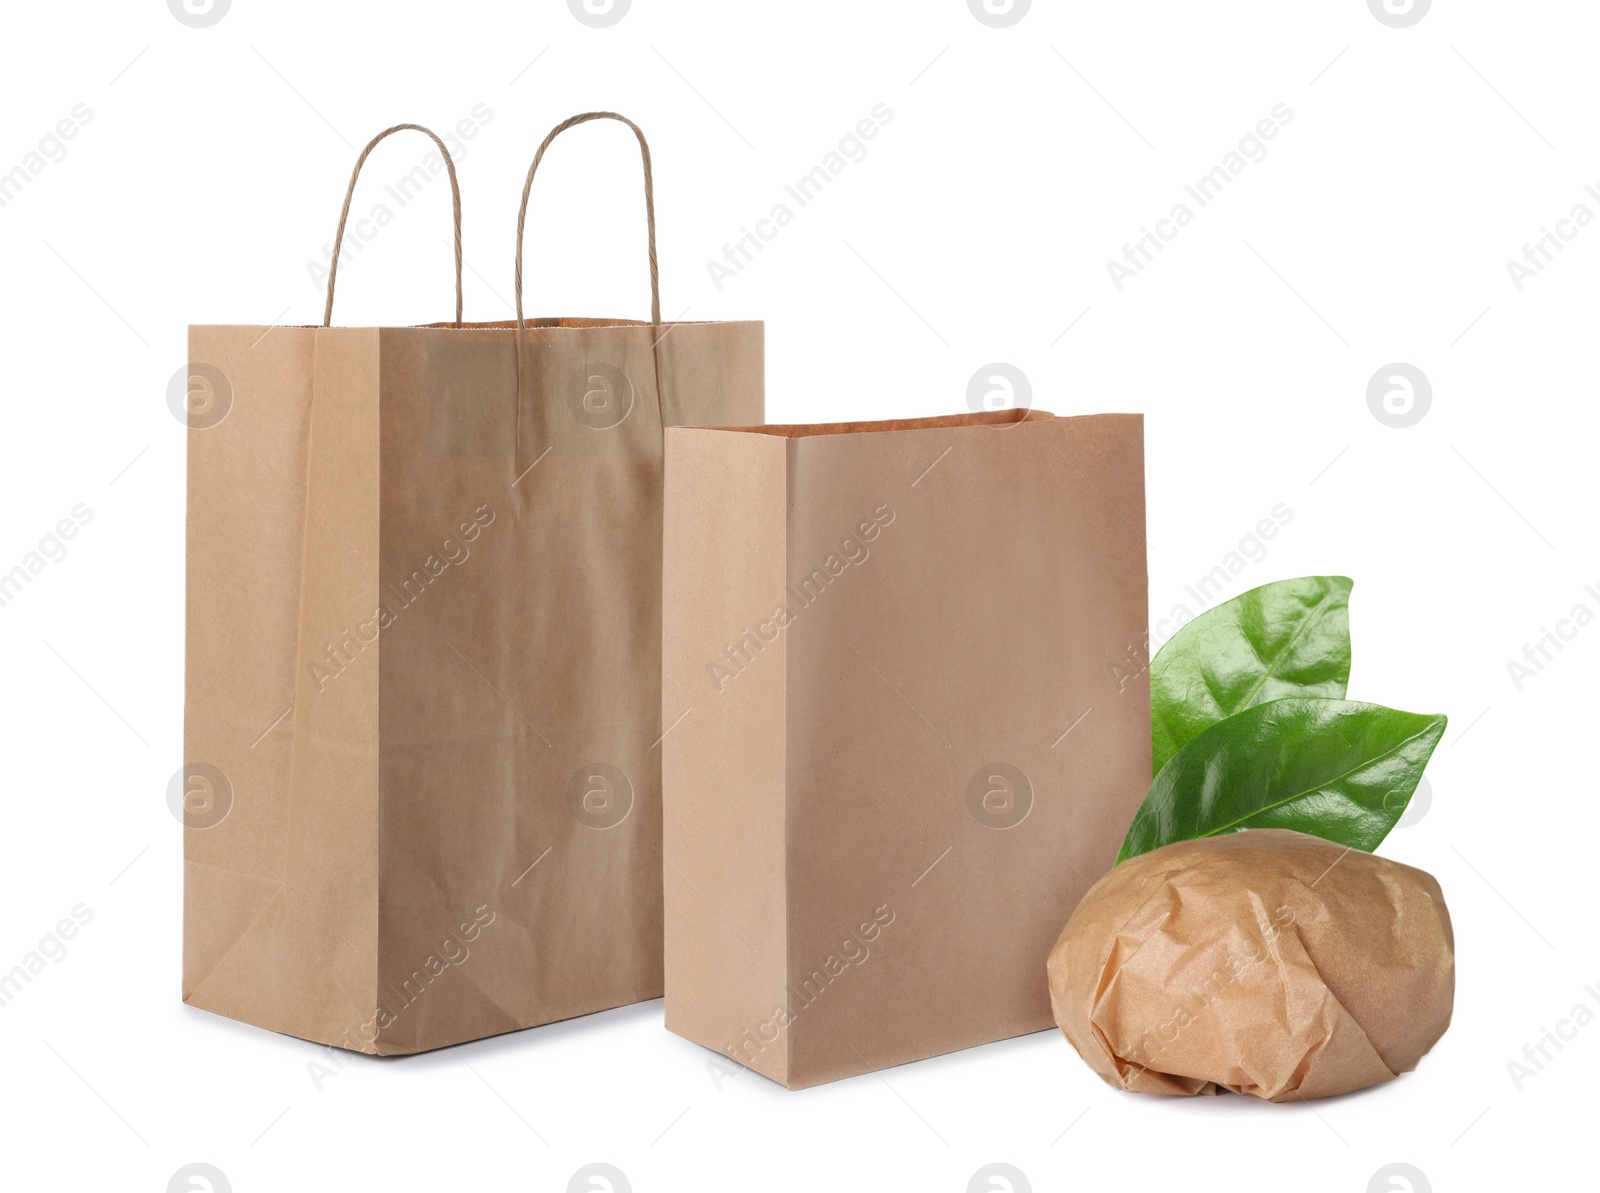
422	710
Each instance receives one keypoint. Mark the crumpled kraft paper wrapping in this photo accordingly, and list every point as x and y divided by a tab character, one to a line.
1267	962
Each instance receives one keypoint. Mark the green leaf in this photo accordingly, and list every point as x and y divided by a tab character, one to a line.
1290	638
1334	768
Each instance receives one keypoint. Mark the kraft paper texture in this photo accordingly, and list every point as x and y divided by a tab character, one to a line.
423	670
903	742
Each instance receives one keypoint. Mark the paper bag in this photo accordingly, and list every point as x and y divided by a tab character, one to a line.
422	714
903	733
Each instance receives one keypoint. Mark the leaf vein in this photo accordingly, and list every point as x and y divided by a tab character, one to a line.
1363	765
1272	668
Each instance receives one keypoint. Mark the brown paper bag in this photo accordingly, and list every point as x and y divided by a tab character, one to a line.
900	739
423	679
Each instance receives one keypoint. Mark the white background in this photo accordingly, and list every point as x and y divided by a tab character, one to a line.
977	229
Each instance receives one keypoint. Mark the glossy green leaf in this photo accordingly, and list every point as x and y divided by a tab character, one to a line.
1289	638
1334	768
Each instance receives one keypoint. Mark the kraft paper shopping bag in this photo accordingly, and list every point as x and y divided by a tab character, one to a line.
422	715
907	737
